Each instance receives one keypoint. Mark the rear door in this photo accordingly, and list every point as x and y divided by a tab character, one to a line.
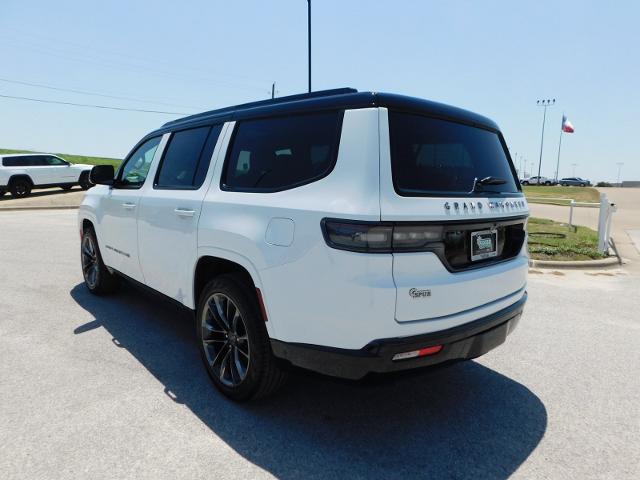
170	209
448	235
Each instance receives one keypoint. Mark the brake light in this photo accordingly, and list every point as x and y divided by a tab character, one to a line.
379	237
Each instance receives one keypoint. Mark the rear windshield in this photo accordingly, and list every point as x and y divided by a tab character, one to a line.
438	157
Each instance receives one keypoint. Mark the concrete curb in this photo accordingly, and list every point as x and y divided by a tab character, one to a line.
48	207
603	263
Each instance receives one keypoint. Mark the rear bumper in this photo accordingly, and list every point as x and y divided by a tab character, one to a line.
465	341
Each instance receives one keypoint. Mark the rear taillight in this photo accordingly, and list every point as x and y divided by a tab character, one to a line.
379	237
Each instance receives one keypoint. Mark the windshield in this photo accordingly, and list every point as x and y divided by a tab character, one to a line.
438	157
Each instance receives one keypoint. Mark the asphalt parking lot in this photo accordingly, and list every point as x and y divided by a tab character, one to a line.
113	388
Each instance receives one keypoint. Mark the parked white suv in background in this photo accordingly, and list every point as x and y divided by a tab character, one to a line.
342	232
537	181
22	172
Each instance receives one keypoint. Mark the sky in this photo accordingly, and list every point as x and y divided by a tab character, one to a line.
495	58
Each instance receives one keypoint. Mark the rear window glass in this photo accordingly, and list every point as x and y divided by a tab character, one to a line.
436	157
279	153
187	157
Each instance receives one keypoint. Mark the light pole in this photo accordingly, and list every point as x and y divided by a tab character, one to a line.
620	164
545	104
574	165
309	38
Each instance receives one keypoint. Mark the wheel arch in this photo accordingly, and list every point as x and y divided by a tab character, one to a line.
214	262
20	176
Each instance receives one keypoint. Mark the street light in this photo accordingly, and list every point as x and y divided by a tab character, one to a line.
545	104
620	164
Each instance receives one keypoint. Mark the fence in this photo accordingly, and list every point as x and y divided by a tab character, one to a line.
607	210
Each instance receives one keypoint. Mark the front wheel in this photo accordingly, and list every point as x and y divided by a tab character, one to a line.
582	185
97	277
84	181
234	342
525	183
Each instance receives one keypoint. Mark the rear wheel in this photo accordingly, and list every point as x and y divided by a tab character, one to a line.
525	183
582	185
234	342
84	181
20	188
97	277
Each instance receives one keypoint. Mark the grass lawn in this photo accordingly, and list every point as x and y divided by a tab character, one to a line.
549	240
74	158
540	194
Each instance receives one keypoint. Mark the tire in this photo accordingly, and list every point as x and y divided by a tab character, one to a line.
564	185
582	185
236	353
85	183
20	188
97	277
547	183
66	188
525	183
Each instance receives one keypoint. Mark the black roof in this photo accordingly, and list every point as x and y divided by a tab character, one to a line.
341	98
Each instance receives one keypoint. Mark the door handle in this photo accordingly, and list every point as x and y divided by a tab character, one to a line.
129	206
183	212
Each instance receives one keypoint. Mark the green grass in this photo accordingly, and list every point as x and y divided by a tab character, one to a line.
75	158
549	240
540	194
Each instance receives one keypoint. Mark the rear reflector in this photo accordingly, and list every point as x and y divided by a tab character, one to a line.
263	310
423	352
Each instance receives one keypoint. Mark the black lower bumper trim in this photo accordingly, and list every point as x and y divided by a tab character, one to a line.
466	341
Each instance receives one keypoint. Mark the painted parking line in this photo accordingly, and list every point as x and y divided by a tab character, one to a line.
635	238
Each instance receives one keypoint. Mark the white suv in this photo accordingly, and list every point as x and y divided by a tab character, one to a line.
22	172
343	232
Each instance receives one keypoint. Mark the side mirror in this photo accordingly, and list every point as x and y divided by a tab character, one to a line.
102	175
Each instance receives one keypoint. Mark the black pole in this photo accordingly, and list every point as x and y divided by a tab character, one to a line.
273	90
309	39
544	118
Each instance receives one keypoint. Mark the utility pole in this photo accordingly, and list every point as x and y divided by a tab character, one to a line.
273	90
309	38
620	164
545	104
574	165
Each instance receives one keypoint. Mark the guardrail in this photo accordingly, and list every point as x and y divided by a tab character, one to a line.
607	209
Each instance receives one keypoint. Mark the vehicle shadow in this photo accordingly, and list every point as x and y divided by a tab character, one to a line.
45	192
465	421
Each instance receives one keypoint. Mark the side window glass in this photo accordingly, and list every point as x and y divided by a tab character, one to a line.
54	161
135	170
186	159
274	154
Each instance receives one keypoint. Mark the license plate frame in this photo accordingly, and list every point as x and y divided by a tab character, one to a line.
479	252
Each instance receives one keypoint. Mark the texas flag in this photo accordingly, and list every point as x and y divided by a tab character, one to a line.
566	125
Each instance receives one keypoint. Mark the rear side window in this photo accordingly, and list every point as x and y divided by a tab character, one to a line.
26	161
275	154
437	157
187	157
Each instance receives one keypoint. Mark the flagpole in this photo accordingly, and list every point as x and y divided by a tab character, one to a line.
559	147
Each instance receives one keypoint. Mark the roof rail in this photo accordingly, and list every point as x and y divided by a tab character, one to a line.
271	101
